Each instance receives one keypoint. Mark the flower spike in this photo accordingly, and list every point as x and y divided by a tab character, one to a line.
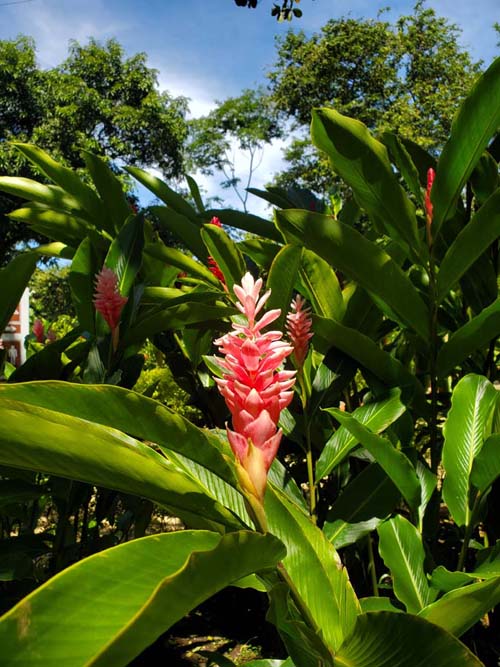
298	326
254	387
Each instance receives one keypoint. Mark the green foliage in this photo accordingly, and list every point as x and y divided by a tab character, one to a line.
98	100
408	76
159	384
50	294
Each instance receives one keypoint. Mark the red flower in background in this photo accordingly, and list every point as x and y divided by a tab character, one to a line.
39	331
212	263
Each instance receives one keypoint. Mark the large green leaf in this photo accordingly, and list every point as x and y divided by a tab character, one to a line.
49	441
187	231
164	192
133	413
467	426
403	161
400	545
475	334
363	163
247	222
321	286
176	317
84	268
125	253
369	356
315	569
389	639
377	416
57	225
106	609
371	495
226	253
459	610
396	465
50	195
486	466
282	280
14	279
177	258
65	178
473	240
365	262
476	122
110	190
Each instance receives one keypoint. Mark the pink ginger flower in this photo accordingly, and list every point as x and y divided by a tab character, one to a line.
254	387
39	331
212	263
108	301
298	326
431	174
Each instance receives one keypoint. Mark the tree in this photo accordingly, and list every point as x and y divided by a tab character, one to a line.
98	100
409	77
239	125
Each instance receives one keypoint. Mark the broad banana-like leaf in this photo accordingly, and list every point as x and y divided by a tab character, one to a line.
164	192
282	280
65	178
365	262
195	193
125	253
187	231
315	569
472	336
51	196
127	411
14	279
247	222
474	239
177	258
176	317
367	500
466	428
403	161
389	639
226	253
460	609
400	545
321	286
486	465
476	122
396	465
367	353
105	609
363	163
44	440
377	416
56	225
84	268
110	190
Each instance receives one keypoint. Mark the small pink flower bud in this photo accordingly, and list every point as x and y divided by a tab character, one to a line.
107	299
298	325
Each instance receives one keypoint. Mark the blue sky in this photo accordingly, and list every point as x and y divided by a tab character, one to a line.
211	49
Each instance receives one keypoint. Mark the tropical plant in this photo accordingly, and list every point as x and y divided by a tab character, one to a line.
405	326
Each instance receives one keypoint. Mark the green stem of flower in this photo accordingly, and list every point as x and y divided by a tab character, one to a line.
371	567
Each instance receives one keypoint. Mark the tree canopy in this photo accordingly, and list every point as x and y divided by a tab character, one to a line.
97	99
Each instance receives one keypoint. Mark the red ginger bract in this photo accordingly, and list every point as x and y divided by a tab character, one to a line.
253	386
107	299
298	325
